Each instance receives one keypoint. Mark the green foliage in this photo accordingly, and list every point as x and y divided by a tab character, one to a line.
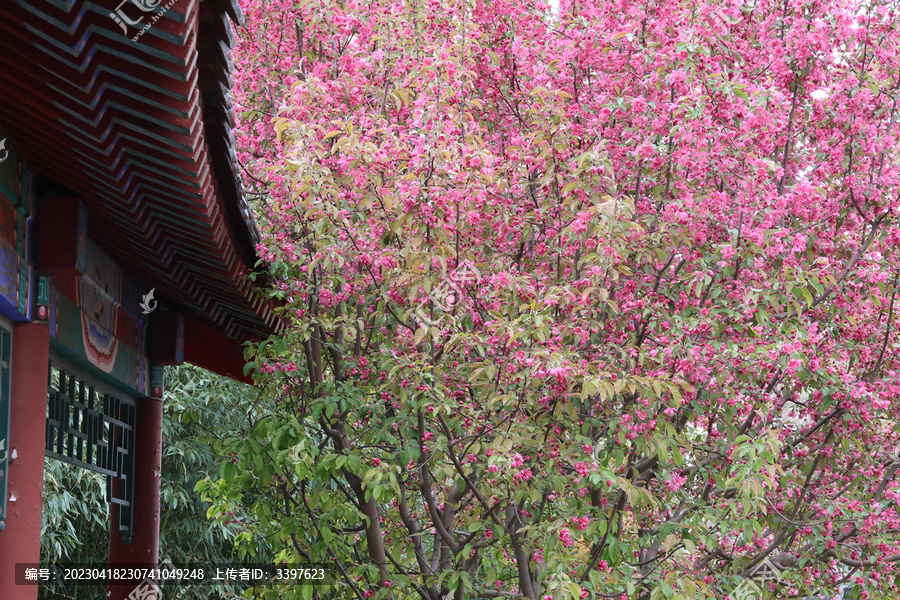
74	510
200	406
74	526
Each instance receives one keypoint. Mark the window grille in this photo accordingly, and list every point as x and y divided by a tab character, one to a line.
92	427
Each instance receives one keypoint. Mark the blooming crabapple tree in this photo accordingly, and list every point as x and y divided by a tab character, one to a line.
594	300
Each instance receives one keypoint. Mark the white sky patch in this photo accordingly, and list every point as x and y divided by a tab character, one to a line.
819	94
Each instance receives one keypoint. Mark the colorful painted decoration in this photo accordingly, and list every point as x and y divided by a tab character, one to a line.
98	294
95	320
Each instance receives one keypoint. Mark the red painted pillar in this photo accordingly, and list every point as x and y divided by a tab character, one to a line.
20	541
143	548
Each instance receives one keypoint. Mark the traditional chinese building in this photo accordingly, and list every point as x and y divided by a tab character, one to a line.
124	244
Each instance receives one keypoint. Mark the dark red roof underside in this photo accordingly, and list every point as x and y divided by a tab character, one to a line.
140	130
